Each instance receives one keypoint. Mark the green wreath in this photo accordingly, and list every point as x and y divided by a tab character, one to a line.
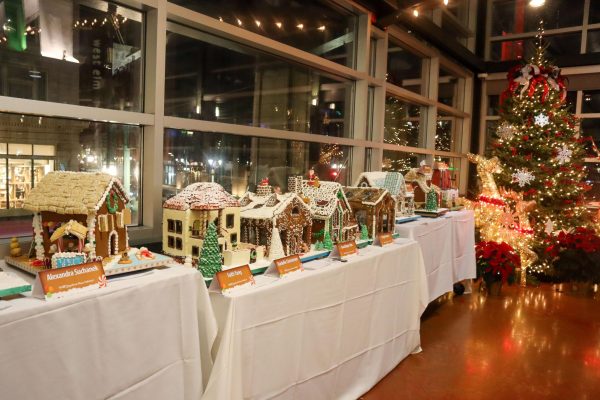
112	208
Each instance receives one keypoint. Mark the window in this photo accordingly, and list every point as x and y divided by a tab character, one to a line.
218	80
447	134
178	244
559	45
295	211
32	146
171	242
74	51
593	41
170	225
399	161
230	221
310	25
178	227
448	88
402	124
591	101
233	238
195	251
196	228
405	69
240	162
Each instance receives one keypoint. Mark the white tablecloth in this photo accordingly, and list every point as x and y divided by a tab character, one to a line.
136	339
434	235
463	244
448	245
328	333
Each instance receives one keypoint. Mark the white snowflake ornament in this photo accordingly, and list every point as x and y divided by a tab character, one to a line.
542	120
523	177
549	227
564	155
506	131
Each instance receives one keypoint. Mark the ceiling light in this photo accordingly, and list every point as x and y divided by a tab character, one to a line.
300	26
537	3
239	21
278	24
257	23
416	12
446	2
321	28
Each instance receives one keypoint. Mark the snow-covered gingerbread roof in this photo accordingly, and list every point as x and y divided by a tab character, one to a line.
367	196
202	196
323	200
392	181
72	192
261	207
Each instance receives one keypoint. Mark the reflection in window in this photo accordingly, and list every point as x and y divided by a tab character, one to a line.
37	145
559	45
593	179
72	51
447	88
404	69
591	127
593	41
402	123
213	79
399	161
447	137
453	164
591	101
318	27
238	163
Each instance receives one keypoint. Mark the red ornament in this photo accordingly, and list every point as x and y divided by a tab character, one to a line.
525	137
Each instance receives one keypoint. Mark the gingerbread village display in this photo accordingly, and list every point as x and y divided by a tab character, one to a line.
373	207
80	217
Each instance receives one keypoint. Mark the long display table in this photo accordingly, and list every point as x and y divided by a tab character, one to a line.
330	332
145	337
448	245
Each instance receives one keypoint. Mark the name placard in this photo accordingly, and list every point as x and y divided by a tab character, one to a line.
288	264
234	277
56	282
346	249
385	239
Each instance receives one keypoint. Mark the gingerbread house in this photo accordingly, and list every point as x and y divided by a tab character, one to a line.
420	178
286	212
329	210
373	207
394	183
68	206
187	214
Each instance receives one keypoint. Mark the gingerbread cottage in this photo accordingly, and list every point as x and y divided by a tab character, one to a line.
329	208
94	200
373	207
286	212
187	214
421	181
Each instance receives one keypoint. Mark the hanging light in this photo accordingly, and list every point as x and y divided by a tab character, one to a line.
257	23
446	2
239	22
321	28
537	3
300	26
416	12
278	24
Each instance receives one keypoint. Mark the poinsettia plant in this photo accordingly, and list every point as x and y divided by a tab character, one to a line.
496	261
576	255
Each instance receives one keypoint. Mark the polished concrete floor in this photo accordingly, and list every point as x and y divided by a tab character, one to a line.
529	344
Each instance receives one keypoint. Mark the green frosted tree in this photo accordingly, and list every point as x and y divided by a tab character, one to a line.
210	257
431	202
327	243
364	232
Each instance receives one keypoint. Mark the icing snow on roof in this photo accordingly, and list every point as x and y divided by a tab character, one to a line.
374	178
323	199
262	207
202	196
72	192
367	196
392	181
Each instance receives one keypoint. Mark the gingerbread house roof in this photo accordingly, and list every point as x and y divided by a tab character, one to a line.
269	207
73	192
367	196
324	199
202	196
392	181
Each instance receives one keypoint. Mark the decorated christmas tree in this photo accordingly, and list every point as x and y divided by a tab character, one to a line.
540	150
210	257
364	232
276	249
327	243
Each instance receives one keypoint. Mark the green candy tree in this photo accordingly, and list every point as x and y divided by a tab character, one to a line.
364	232
210	257
327	243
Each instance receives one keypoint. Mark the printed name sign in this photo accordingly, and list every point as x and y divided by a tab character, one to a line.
288	264
56	282
234	277
385	239
346	249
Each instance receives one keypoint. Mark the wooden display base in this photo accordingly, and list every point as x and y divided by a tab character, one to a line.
432	214
111	264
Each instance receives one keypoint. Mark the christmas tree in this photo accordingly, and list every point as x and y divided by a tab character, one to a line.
364	232
276	248
431	201
210	257
401	127
327	243
540	149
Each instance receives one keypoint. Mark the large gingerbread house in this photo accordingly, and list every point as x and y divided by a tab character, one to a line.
373	207
94	200
420	178
186	217
286	212
329	208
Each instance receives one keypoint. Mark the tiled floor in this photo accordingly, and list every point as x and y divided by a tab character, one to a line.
529	344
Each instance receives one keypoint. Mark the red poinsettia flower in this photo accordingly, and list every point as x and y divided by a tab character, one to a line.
496	260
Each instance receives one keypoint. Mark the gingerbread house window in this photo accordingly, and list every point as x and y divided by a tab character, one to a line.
119	219
103	223
170	225
196	226
233	238
178	227
230	221
296	211
178	244
195	251
171	242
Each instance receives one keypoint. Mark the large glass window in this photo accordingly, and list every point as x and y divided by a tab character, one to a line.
558	45
72	51
212	79
405	69
516	16
37	145
447	134
448	88
399	161
239	163
315	26
591	101
402	125
593	41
